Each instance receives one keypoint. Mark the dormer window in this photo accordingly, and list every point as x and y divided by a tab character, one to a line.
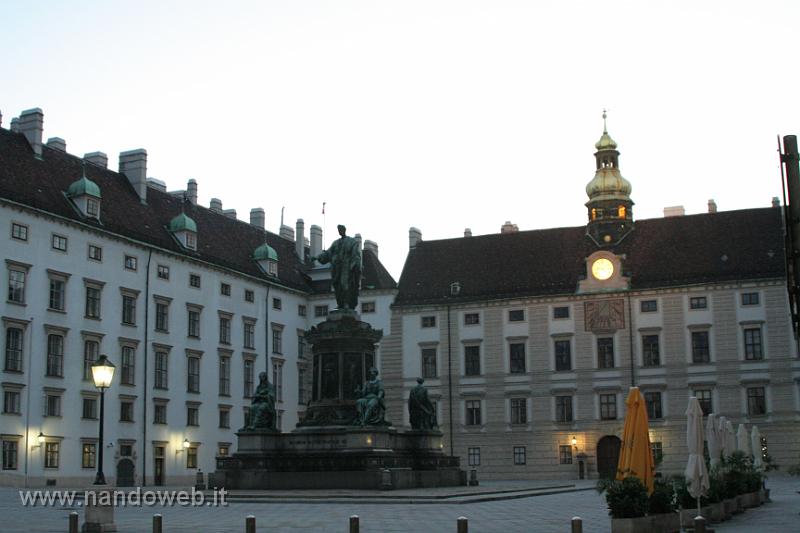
185	231
92	208
191	241
85	195
272	268
267	259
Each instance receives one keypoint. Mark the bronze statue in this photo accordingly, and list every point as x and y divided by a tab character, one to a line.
344	255
420	409
370	407
262	408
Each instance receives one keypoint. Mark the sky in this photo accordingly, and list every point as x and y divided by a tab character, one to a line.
442	115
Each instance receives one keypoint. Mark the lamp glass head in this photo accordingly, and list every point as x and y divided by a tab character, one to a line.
186	443
102	372
40	438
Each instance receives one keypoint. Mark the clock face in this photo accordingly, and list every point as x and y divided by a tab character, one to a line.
602	269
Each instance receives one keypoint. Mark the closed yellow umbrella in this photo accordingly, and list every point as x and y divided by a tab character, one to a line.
635	458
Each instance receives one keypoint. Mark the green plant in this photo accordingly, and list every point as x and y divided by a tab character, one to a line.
739	475
683	496
769	465
626	499
794	470
663	500
716	489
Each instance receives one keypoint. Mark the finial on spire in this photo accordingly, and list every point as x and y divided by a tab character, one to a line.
605	114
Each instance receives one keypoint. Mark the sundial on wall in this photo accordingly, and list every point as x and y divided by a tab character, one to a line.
604	315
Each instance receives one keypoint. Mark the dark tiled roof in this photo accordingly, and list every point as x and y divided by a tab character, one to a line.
373	275
221	240
662	252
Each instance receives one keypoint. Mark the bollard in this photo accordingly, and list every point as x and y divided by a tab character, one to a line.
463	525
250	524
73	522
156	523
699	524
354	524
577	524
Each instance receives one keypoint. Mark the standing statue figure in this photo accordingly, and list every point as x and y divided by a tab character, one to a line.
262	408
344	255
370	407
420	409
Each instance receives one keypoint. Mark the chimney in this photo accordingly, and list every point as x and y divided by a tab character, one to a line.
215	205
712	206
1	118
372	246
414	237
57	143
674	211
257	217
157	184
133	164
358	239
776	202
287	232
230	213
508	227
97	158
15	125
31	124
316	240
467	232
299	239
191	191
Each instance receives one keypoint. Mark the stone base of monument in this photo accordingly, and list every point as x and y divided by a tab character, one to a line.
338	457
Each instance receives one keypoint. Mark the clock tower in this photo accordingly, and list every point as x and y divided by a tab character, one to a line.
610	205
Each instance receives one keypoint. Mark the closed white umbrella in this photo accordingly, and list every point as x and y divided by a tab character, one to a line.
712	437
755	440
722	436
730	435
743	440
696	474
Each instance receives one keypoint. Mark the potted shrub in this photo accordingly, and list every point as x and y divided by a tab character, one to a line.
627	505
716	495
661	507
688	503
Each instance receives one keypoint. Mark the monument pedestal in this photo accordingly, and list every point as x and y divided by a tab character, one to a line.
99	511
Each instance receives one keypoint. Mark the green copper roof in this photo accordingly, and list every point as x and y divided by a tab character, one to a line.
182	223
84	186
605	142
265	251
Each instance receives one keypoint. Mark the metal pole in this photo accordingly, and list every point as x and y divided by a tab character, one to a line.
156	523
577	524
354	525
73	522
463	525
100	479
250	524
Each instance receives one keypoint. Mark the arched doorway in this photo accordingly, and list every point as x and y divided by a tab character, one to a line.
608	456
125	475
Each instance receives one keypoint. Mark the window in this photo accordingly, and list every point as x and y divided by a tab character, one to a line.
367	307
658	452
749	298
301	344
55	355
191	455
161	372
249	334
128	370
51	452
277	379
57	292
301	386
301	310
11	402
129	309
472	319
52	406
249	377
19	232
608	407
194	322
88	454
320	311
752	344
277	304
223	450
162	316
473	412
561	312
474	456
192	416
516	315
59	243
429	368
225	289
519	455
648	306
516	352
91	351
756	401
563	408
13	359
95	253
130	262
10	454
249	296
160	413
605	352
163	272
565	454
429	321
92	301
700	350
650	354
224	330
126	411
653	402
698	302
472	360
191	240
277	340
92	208
563	355
519	411
194	281
224	375
89	409
224	419
193	374
125	450
704	398
16	285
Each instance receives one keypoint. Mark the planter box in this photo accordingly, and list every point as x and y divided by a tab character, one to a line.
716	512
665	523
687	516
751	499
739	504
762	497
658	523
729	505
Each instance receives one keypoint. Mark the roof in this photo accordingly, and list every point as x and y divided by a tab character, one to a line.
221	241
265	251
84	186
182	223
659	253
373	275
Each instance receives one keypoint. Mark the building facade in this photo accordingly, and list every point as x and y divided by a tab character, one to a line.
188	302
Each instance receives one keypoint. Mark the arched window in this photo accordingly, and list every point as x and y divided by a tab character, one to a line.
621	211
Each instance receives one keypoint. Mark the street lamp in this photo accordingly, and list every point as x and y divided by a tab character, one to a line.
102	374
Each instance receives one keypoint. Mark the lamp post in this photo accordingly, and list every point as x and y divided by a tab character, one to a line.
102	374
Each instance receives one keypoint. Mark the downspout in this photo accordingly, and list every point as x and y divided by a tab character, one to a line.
630	340
266	335
28	399
450	380
144	395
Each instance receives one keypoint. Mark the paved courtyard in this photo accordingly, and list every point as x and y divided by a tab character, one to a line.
544	513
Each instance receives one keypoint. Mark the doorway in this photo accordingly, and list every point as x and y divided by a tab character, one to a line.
125	471
608	456
158	465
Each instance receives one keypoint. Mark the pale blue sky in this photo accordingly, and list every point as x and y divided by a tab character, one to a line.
436	114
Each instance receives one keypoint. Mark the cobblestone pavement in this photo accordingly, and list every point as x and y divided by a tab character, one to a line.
544	514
